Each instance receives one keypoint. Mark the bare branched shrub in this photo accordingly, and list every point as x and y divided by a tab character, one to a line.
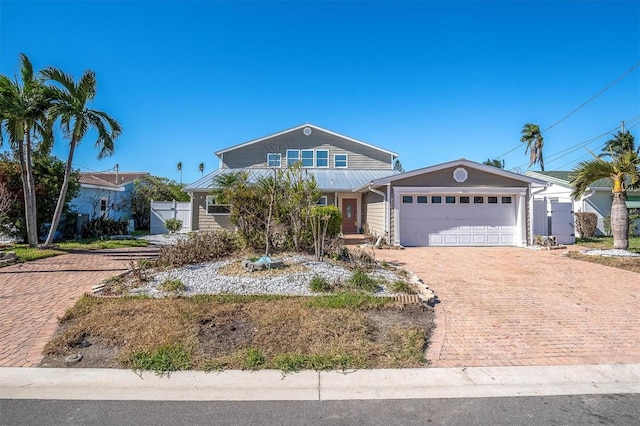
201	247
362	258
6	199
586	224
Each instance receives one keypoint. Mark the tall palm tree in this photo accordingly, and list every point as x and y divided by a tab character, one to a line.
532	136
622	169
23	108
201	168
621	141
71	106
179	167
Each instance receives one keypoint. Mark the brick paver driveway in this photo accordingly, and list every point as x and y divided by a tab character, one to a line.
514	306
34	294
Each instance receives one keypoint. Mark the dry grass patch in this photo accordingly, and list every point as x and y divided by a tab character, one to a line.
628	263
240	332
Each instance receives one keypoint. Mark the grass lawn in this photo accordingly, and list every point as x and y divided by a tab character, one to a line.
339	331
607	243
24	253
627	263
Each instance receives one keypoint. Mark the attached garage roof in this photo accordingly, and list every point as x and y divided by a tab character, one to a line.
462	163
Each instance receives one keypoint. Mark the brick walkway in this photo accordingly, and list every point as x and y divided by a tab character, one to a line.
514	306
33	295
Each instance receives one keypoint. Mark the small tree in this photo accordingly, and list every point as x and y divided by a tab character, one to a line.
150	188
201	169
6	200
494	162
397	166
323	222
300	194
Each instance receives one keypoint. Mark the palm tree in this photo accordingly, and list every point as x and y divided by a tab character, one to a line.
532	136
622	141
623	169
179	167
70	105
23	108
201	168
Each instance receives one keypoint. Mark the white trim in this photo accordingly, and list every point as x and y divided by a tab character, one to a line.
320	201
346	161
103	188
464	163
302	126
206	207
279	160
299	160
316	158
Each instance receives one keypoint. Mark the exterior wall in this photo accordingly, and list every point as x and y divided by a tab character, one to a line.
201	221
600	204
88	202
445	178
359	156
373	209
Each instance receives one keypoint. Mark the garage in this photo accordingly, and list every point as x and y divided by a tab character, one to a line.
459	203
457	220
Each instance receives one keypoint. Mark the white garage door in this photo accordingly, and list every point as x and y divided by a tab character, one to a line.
457	220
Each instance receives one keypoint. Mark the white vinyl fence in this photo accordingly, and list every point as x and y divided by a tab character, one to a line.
554	218
163	210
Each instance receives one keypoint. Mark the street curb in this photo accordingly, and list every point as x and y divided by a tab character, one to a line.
272	385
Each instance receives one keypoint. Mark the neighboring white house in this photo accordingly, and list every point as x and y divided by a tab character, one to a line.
105	195
596	199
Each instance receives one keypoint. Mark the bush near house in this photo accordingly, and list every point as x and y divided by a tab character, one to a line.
586	224
173	225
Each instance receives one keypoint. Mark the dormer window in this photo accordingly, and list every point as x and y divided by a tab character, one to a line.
340	161
274	160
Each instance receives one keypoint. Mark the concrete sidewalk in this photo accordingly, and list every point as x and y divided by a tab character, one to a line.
470	382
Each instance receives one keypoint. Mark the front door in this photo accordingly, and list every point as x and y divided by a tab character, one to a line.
349	216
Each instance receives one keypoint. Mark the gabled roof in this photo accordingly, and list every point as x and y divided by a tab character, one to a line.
302	126
461	162
562	178
110	179
328	180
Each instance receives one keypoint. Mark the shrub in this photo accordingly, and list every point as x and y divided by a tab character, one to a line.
319	284
586	223
172	286
173	225
361	281
201	247
401	287
103	226
362	259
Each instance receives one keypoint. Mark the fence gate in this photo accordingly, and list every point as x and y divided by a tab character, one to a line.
163	210
551	217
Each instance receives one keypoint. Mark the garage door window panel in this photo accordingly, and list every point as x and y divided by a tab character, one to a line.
450	199
421	199
436	199
407	199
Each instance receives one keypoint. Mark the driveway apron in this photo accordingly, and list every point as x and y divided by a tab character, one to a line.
34	295
515	306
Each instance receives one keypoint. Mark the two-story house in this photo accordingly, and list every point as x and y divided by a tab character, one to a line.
339	164
458	203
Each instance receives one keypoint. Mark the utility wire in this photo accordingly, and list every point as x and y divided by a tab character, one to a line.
580	107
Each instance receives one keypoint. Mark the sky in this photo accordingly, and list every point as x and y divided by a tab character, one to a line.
434	81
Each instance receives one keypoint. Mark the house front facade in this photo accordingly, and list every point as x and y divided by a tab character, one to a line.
339	164
105	194
459	203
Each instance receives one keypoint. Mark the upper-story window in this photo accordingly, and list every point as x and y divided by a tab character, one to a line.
340	161
293	156
307	157
274	159
322	158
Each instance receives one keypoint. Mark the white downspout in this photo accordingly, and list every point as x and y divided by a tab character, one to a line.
384	200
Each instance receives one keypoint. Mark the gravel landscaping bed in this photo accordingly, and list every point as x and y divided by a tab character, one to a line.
229	276
610	253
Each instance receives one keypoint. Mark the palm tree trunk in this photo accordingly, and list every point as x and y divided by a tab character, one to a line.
63	195
28	188
619	222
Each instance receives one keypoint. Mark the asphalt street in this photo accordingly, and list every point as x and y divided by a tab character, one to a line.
615	409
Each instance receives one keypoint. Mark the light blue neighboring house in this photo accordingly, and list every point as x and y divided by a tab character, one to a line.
105	195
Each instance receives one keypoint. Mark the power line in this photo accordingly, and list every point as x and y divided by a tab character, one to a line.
593	97
580	107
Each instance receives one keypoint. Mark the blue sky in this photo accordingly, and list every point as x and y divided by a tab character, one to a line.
434	81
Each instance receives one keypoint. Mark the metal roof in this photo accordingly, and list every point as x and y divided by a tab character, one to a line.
329	180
